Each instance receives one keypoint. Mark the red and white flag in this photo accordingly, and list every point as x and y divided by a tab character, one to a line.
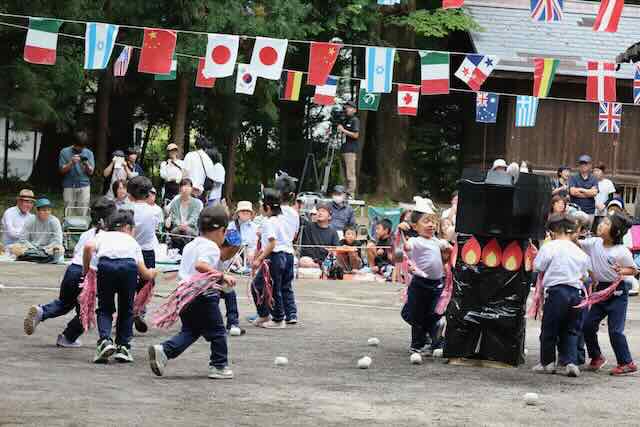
122	63
408	97
601	81
609	16
326	93
452	4
201	80
322	56
222	53
158	47
267	59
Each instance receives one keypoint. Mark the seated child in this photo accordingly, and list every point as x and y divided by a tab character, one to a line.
350	261
379	253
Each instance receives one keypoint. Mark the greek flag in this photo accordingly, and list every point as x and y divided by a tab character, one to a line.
526	111
99	42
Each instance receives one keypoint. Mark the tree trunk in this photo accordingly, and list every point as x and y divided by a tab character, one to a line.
180	119
101	137
232	146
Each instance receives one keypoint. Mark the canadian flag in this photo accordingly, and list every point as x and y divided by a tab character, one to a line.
408	96
222	53
608	16
601	81
268	57
201	79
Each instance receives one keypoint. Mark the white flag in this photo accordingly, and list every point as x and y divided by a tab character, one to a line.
99	42
246	80
222	53
379	70
268	57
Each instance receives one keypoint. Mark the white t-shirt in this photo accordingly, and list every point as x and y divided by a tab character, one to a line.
78	251
172	170
198	250
605	189
193	162
218	177
426	255
291	222
248	233
603	259
563	263
13	221
147	220
117	245
273	228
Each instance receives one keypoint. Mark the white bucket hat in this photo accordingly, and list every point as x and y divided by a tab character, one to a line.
244	206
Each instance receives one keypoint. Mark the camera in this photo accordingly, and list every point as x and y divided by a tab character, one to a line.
84	158
337	116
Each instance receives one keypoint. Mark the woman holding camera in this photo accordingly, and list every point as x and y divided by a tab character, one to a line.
118	170
172	172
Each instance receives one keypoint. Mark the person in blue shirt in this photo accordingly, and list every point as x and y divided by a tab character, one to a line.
583	187
77	164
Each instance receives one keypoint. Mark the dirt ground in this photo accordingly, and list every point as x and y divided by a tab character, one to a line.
41	384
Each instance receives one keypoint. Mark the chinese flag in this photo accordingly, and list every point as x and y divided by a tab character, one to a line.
322	56
201	80
157	51
452	4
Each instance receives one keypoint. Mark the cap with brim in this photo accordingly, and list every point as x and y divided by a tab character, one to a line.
350	104
153	190
244	206
338	189
43	203
172	146
324	206
26	195
584	159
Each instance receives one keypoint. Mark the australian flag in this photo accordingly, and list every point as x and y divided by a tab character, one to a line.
546	10
486	107
636	84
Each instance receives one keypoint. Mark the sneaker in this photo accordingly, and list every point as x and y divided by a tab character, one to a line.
252	318
157	359
628	369
34	316
140	324
365	270
236	331
440	331
292	321
424	351
123	355
596	363
220	373
259	321
541	369
64	342
104	351
273	325
572	370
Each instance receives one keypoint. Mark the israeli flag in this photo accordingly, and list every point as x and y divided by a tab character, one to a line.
526	111
99	41
380	69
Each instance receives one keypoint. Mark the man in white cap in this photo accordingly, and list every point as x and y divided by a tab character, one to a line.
499	165
172	171
14	218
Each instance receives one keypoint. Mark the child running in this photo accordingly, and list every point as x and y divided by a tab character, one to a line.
119	262
426	253
564	266
201	317
70	288
611	261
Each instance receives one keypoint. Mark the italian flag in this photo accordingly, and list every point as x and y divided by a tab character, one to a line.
42	41
435	72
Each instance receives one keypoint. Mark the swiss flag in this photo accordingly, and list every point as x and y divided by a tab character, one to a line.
201	80
452	4
222	53
322	56
158	47
268	57
601	81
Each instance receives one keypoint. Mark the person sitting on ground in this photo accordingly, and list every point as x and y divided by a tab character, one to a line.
121	197
558	205
351	260
379	253
342	213
316	236
43	231
182	219
14	218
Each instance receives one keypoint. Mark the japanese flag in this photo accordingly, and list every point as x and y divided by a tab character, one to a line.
268	57
222	52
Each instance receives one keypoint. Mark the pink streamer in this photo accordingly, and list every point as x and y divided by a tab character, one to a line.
87	300
538	298
143	297
447	292
600	296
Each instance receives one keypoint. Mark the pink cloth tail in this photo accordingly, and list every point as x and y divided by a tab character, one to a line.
603	295
538	298
266	296
447	292
143	297
87	300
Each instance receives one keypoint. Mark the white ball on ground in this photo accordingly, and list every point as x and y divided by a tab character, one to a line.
281	361
373	342
364	362
531	399
415	358
1	287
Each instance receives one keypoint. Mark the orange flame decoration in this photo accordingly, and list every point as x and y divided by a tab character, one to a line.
471	252
492	254
529	256
512	257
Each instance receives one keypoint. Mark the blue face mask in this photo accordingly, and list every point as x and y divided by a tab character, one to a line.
232	238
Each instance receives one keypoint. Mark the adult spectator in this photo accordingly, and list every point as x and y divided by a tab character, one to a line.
43	230
605	190
76	164
132	163
500	165
558	205
199	167
583	188
121	197
116	170
217	176
182	219
172	171
316	236
14	218
342	214
561	182
351	130
451	212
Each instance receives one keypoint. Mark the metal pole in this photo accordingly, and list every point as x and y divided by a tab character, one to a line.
6	148
484	148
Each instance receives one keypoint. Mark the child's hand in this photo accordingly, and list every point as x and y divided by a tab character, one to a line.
154	273
229	281
404	226
380	252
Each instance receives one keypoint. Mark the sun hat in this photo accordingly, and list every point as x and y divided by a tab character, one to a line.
26	195
499	163
172	146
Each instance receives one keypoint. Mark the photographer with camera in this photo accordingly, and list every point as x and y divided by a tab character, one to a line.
117	170
350	128
76	164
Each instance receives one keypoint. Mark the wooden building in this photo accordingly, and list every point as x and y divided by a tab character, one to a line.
564	130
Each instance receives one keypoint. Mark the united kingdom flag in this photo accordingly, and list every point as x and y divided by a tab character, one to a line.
610	118
546	10
636	84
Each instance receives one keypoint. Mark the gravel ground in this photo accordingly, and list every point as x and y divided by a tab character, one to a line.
41	384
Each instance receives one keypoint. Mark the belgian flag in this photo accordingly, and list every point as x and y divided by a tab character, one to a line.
290	84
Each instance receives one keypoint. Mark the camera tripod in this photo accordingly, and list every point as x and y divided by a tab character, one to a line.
334	142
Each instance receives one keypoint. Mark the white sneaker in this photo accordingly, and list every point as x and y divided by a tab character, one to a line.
64	342
123	355
235	331
220	374
548	369
104	351
572	370
34	316
274	325
157	359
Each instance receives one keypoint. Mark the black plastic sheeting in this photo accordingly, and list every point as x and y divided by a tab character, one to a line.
486	315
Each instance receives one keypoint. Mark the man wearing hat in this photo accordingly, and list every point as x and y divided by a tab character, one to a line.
583	187
172	171
76	164
342	213
351	130
43	230
14	218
